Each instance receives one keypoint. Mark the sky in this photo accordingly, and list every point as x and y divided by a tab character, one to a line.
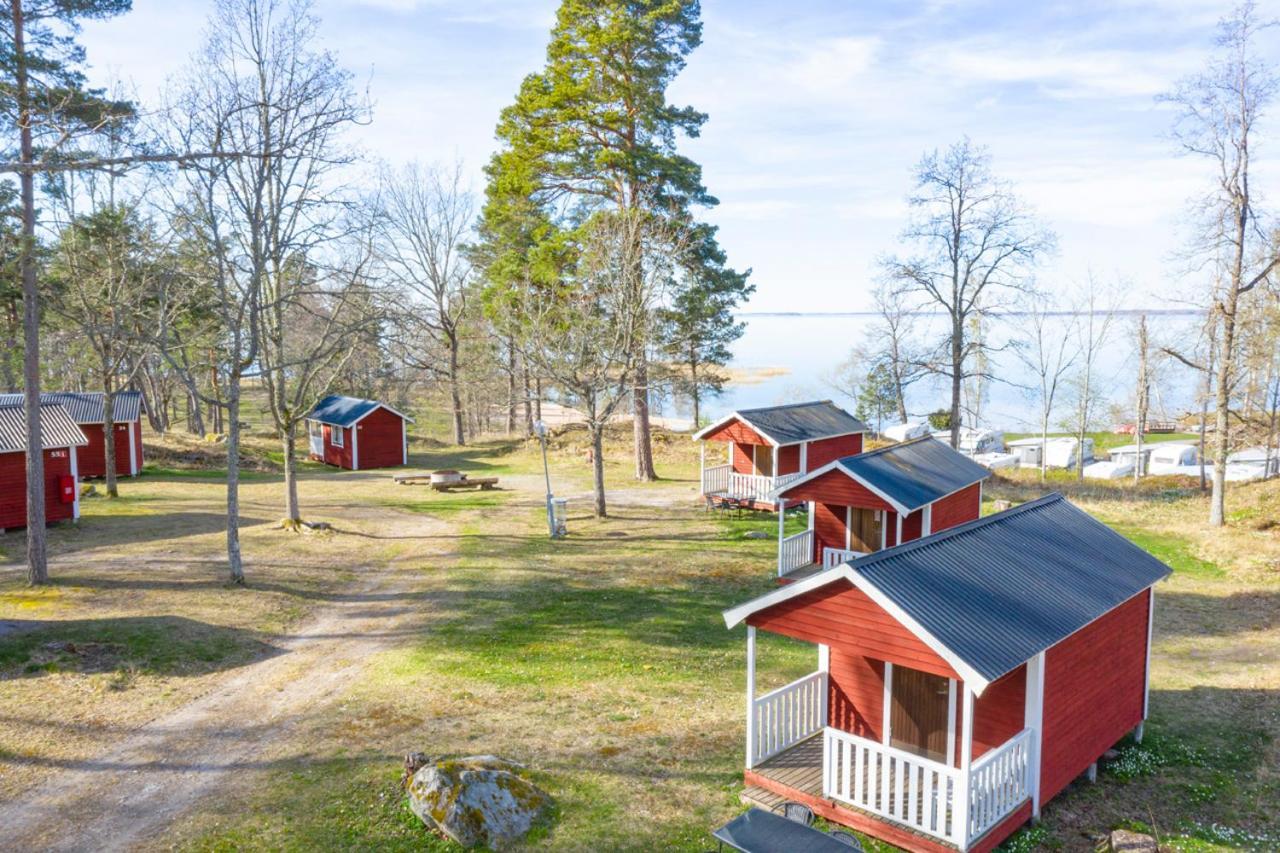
818	111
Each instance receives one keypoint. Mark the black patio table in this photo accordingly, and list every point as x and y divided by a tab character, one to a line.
759	831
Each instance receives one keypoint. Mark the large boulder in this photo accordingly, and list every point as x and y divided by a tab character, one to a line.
480	800
1124	841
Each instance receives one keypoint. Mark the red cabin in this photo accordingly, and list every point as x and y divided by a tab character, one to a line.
357	434
60	439
768	448
87	409
877	499
963	679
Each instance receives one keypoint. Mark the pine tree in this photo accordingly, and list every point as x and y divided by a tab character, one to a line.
594	131
46	107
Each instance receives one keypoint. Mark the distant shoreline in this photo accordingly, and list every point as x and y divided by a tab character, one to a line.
1122	312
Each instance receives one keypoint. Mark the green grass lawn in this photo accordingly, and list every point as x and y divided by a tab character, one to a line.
603	664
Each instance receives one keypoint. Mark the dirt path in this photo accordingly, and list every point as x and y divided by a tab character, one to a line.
133	790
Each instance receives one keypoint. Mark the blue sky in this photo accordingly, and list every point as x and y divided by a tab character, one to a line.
818	111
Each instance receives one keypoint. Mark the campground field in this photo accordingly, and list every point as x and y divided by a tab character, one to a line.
143	699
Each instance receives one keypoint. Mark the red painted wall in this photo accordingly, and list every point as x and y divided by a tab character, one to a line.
825	450
381	440
13	487
912	525
92	458
856	693
835	487
964	505
839	614
828	528
1094	683
999	713
788	459
741	461
334	455
736	430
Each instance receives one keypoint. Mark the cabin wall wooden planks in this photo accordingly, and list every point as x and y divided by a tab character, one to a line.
13	487
1094	684
381	440
836	487
964	505
92	458
827	450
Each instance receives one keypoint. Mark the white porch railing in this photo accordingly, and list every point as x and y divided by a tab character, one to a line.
832	557
750	487
795	552
788	715
914	791
999	783
715	480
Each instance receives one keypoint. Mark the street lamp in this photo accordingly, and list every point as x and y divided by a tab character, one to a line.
540	430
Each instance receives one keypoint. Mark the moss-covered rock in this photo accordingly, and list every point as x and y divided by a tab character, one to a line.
479	800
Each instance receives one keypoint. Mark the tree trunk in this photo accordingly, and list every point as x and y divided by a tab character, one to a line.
109	438
291	509
537	398
37	553
1140	399
511	386
455	393
1222	417
597	468
234	562
957	380
528	404
643	439
1084	417
695	394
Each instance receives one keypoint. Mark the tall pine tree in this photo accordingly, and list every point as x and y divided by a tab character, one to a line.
594	131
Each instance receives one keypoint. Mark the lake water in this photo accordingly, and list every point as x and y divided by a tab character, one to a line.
792	358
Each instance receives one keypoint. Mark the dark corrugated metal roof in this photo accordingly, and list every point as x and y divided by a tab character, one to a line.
915	473
57	429
342	411
85	407
999	590
802	421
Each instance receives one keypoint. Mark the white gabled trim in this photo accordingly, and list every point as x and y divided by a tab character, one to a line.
723	422
133	449
404	442
1146	686
355	446
804	457
751	695
75	480
737	614
377	405
833	465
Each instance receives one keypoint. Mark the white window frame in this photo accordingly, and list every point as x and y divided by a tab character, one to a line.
337	436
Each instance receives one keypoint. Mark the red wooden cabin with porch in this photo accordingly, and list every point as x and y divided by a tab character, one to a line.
60	438
875	500
963	679
87	408
358	434
769	447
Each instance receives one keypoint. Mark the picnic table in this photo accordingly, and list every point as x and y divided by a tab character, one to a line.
465	482
759	831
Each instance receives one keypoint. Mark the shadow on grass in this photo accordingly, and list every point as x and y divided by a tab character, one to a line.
1189	614
154	645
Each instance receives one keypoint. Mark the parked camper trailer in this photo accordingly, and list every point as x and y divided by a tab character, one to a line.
1057	452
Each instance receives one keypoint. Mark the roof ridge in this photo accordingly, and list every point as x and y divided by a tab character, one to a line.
897	445
958	530
784	406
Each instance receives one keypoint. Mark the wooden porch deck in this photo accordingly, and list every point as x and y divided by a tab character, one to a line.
800	573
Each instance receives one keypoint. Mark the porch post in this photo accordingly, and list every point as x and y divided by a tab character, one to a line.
1146	686
816	556
961	827
1033	719
751	696
782	530
702	466
824	667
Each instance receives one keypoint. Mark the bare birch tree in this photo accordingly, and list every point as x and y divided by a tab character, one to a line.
973	243
1218	111
425	217
1048	352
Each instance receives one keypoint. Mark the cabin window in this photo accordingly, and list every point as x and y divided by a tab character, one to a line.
918	713
315	429
763	460
336	436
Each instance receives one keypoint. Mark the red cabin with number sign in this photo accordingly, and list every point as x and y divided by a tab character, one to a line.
61	438
88	409
963	679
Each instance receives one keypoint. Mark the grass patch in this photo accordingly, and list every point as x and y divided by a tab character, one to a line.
1175	552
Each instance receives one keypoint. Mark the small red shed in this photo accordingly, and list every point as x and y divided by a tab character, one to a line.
87	408
964	679
769	447
875	500
60	439
357	434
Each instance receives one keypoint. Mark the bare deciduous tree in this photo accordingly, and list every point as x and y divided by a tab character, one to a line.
973	240
1049	352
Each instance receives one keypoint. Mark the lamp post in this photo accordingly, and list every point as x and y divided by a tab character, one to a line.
540	430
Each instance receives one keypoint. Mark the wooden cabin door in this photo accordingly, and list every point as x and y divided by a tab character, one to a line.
918	713
864	531
764	460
